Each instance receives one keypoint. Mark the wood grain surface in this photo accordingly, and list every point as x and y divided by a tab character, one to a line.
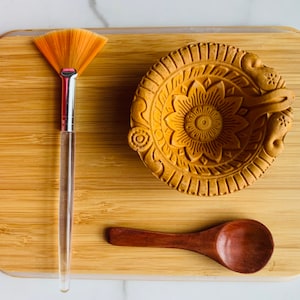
113	187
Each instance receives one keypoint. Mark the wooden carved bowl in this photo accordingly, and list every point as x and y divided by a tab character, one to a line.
209	119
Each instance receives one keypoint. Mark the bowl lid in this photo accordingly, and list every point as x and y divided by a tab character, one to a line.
209	119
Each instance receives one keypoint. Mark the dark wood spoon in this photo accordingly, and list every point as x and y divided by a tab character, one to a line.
243	246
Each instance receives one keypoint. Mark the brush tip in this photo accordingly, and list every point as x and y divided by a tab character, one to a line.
70	48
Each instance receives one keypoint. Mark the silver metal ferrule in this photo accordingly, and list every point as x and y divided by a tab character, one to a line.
68	76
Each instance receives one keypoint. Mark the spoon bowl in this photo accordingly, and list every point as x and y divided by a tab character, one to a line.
243	246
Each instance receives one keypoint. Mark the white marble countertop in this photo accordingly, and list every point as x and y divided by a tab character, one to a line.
50	14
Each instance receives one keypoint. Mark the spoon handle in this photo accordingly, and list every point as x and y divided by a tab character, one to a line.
122	236
202	242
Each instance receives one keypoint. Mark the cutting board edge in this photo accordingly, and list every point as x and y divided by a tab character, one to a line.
162	29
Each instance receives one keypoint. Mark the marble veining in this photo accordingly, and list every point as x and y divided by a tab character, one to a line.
94	7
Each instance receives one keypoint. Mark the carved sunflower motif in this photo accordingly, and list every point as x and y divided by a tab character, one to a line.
205	122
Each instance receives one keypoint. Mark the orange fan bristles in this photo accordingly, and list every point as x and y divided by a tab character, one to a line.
70	48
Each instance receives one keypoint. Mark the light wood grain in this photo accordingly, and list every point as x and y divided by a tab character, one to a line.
113	188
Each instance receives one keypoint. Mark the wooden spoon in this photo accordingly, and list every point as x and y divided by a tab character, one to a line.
243	246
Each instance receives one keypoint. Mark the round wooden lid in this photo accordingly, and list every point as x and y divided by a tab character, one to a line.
209	119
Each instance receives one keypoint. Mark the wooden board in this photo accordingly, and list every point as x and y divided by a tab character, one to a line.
112	185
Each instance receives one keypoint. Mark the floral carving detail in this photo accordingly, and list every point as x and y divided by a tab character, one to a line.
205	122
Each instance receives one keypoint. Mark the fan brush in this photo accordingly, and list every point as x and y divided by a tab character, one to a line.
69	52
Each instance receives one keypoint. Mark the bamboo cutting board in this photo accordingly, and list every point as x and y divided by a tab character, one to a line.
113	188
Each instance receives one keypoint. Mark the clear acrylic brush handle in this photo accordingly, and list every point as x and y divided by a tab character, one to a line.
67	156
66	207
